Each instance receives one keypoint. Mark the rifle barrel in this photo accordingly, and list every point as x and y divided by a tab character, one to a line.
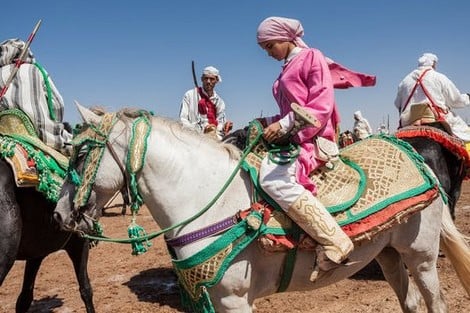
20	59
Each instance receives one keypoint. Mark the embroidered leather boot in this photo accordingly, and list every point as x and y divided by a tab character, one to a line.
311	215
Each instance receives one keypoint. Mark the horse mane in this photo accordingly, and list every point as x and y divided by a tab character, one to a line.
177	129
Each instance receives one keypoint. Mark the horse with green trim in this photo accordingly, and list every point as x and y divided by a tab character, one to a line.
197	194
27	200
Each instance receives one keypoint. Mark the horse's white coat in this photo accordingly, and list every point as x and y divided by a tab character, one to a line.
183	171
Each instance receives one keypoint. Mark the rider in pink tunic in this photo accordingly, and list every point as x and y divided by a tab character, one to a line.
308	79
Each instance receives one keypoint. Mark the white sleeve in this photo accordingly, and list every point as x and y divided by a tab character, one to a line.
220	115
184	110
188	112
453	97
287	122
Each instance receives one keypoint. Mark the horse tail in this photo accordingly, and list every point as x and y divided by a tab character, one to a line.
456	249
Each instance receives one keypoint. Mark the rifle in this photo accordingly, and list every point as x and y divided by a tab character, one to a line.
20	60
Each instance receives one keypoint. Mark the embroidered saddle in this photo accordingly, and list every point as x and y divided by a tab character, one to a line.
34	164
373	185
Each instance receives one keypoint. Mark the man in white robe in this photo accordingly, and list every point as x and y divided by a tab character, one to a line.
362	128
202	109
426	96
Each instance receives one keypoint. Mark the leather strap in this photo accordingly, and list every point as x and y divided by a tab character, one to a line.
418	82
202	233
438	110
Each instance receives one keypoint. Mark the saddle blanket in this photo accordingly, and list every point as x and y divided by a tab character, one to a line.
453	144
32	167
23	167
376	183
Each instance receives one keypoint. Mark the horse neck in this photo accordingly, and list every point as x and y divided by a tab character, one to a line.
183	172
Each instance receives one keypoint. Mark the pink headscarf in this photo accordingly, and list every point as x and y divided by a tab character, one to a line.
287	29
281	28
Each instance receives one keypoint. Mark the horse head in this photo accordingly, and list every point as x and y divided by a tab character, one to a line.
81	201
147	156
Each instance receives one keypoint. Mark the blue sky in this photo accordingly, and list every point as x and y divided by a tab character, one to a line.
138	53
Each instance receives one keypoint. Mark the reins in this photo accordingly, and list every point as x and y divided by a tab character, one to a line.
138	239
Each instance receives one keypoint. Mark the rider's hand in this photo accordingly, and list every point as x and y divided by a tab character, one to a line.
227	127
210	128
273	132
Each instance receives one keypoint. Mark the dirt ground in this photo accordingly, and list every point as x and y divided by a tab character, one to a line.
126	283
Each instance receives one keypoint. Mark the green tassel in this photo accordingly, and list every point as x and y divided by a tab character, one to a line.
139	244
137	200
97	231
74	177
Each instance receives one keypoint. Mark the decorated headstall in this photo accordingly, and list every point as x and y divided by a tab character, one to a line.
90	143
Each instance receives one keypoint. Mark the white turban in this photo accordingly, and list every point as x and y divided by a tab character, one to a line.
427	59
358	115
210	70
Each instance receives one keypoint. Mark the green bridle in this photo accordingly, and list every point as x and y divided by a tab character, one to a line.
92	142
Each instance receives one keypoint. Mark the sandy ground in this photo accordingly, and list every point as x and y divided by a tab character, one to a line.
146	283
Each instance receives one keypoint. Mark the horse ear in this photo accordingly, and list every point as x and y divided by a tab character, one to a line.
88	116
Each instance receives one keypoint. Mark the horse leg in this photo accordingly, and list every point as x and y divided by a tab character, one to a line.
78	250
419	251
236	292
424	272
10	221
396	275
26	296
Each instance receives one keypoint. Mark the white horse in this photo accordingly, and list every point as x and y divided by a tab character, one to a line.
182	172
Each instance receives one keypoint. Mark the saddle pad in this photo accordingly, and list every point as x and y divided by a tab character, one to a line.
280	227
393	172
375	174
32	167
24	169
454	144
14	123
